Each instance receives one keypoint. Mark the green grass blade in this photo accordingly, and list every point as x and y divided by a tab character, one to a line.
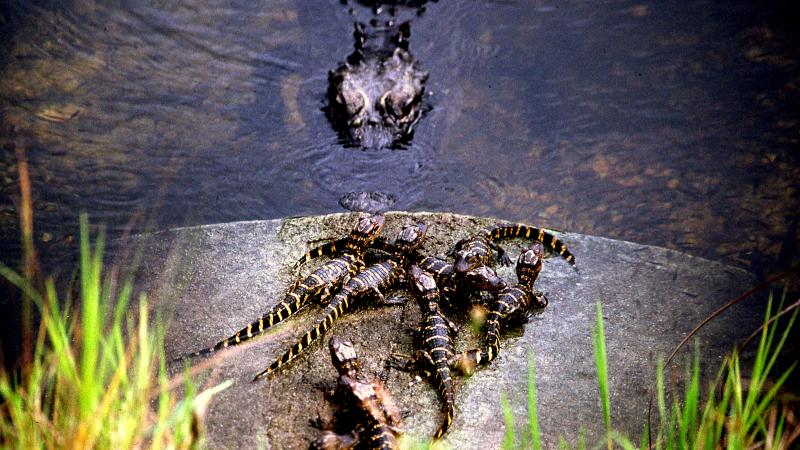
691	401
59	336
22	284
90	325
508	417
622	441
663	419
775	353
759	365
582	438
644	441
601	364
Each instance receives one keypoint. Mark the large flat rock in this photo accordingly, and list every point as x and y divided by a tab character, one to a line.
212	280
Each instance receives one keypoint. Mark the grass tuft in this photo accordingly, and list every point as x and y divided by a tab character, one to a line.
740	411
96	378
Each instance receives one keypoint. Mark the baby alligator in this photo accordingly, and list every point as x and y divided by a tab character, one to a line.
434	335
482	278
318	284
477	250
330	440
451	286
511	305
378	418
370	281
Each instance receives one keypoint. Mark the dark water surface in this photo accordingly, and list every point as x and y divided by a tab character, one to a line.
671	123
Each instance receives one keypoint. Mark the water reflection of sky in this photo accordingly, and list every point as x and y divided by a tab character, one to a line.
671	124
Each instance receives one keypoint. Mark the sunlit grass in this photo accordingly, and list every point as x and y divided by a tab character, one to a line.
97	378
733	416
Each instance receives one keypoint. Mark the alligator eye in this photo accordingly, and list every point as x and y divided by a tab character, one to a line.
398	102
353	100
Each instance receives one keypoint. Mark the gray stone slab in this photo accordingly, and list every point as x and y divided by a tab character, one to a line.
211	280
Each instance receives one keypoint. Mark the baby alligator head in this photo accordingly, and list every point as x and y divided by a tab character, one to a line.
376	96
529	264
365	232
344	356
424	287
411	237
470	256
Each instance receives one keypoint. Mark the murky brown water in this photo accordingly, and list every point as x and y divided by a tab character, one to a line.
671	124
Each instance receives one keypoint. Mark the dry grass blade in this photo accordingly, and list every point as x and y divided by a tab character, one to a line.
758	330
792	432
761	286
30	265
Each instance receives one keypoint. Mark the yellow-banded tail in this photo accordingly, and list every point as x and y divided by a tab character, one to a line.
331	248
539	234
292	303
447	420
336	308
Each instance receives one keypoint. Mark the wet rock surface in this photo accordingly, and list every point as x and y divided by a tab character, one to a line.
211	280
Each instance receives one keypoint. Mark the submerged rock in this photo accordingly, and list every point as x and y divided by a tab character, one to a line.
211	280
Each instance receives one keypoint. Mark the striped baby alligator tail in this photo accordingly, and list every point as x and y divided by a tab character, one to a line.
519	230
382	438
292	303
448	399
466	362
337	307
331	248
491	339
447	419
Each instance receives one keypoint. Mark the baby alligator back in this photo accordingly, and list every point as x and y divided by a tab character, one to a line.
478	249
318	284
372	280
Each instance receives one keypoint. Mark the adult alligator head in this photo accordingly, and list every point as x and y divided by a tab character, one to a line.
376	96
